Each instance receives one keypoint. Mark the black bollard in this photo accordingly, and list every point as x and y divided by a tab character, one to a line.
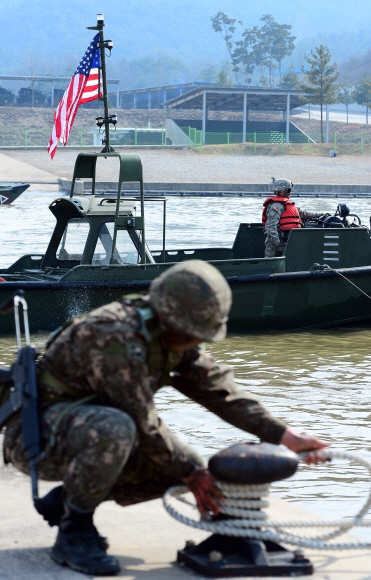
227	556
251	463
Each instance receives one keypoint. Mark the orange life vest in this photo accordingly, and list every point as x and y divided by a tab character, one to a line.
290	217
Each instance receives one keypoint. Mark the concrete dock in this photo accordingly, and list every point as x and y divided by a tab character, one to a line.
181	167
14	170
144	538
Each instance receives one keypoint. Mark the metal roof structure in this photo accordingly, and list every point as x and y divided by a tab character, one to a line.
232	99
242	99
155	97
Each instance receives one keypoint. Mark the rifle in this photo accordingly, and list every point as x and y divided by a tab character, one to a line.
23	388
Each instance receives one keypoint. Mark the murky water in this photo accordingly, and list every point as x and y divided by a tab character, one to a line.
317	382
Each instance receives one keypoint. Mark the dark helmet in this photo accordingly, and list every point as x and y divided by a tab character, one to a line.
282	184
192	297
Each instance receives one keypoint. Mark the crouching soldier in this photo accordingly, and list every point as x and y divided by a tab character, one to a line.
102	436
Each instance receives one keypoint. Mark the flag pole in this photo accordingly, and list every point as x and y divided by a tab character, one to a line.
107	120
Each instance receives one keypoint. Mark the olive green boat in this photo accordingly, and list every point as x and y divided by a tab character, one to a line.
98	252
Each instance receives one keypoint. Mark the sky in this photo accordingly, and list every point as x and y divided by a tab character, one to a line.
50	35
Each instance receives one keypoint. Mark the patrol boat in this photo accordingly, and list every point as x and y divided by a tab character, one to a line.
98	252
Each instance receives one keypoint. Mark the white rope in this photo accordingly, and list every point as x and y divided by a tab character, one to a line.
254	523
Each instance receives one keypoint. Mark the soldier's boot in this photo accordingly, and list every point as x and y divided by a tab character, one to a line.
51	508
77	545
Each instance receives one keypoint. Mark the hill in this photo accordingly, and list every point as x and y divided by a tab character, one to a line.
49	36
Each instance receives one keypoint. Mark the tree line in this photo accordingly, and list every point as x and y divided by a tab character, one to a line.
263	46
266	46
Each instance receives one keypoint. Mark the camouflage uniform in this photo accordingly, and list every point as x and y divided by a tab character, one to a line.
275	240
116	446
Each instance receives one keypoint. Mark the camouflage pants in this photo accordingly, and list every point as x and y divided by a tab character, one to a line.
97	456
272	250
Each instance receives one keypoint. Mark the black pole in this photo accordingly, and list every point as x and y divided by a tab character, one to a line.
100	24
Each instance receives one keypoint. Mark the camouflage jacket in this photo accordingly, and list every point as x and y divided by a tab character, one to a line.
274	211
107	353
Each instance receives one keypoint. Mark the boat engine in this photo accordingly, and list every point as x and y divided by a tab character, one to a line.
339	220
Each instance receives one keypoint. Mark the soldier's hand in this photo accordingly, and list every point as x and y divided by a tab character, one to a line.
278	249
303	443
202	484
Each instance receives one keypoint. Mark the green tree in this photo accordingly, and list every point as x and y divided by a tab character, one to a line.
362	92
346	95
275	42
224	80
321	77
290	80
259	46
268	37
244	55
225	26
284	45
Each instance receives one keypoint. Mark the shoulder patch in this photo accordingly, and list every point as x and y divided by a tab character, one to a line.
278	207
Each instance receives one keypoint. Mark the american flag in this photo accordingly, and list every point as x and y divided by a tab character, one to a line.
84	87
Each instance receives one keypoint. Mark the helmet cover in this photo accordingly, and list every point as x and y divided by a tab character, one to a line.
192	297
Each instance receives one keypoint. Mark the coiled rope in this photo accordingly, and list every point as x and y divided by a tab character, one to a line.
244	504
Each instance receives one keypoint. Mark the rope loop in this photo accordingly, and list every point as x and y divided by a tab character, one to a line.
243	504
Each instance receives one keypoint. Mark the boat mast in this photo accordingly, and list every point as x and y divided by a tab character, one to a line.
108	119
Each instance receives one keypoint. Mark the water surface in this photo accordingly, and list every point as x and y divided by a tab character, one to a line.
317	382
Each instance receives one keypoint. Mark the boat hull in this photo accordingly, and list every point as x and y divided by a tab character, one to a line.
10	191
287	301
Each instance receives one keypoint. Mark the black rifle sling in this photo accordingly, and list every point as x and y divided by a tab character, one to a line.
23	397
25	377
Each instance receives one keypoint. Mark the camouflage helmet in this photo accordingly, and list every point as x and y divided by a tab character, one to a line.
281	185
193	297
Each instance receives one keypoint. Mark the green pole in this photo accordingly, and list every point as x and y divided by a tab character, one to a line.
335	141
162	136
308	144
254	142
228	148
361	143
80	137
135	137
25	137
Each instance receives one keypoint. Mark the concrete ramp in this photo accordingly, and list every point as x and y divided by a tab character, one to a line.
174	135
